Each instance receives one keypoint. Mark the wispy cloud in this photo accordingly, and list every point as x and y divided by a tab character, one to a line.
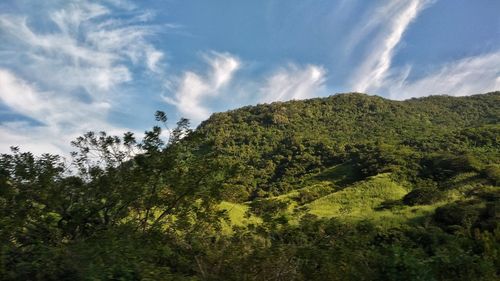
388	22
193	89
94	50
61	118
194	93
471	75
75	60
387	25
293	82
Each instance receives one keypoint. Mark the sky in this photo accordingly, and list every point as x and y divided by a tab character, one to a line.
72	66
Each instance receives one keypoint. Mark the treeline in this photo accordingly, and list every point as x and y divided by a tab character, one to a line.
149	209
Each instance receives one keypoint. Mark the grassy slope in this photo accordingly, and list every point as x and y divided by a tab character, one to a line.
358	201
237	215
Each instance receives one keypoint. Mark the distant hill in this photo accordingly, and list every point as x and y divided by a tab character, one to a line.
270	149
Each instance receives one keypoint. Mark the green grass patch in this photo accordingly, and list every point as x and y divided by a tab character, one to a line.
361	200
237	214
358	200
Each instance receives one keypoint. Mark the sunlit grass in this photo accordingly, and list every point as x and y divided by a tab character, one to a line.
361	200
358	200
237	214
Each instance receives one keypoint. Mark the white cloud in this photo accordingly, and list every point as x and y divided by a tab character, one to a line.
194	92
389	23
223	68
87	41
471	75
29	138
193	89
20	96
75	63
62	118
69	20
153	58
293	82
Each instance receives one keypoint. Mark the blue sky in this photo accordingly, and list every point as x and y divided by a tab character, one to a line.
70	66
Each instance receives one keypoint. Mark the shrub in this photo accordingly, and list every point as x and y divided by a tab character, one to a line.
268	208
389	205
443	166
492	172
311	194
235	193
462	213
423	196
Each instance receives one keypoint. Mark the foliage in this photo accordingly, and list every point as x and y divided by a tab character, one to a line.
349	187
109	199
423	196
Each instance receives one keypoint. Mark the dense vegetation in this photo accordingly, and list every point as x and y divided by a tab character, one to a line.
349	187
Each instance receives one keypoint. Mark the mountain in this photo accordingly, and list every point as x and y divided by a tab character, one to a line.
348	187
276	145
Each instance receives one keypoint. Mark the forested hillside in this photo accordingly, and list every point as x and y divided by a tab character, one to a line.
348	187
274	146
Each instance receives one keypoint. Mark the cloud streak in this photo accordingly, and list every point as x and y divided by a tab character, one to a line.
389	22
75	64
194	89
387	25
293	82
95	51
193	94
471	75
61	118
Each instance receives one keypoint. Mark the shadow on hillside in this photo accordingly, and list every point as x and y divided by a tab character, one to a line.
341	175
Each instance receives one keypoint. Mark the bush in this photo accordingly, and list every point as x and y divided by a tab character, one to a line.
443	166
389	205
235	193
311	194
268	208
462	213
423	196
492	172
